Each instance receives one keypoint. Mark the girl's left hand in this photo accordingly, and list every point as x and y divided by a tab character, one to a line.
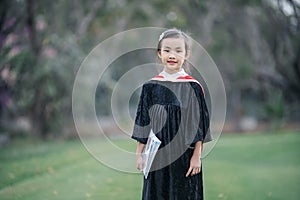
195	166
139	162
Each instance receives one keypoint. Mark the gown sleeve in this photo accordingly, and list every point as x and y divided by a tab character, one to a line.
198	117
142	125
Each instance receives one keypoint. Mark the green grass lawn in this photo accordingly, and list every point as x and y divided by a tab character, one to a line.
240	167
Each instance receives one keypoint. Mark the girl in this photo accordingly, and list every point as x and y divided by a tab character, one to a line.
172	104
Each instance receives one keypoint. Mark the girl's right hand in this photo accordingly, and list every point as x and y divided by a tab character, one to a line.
139	158
139	162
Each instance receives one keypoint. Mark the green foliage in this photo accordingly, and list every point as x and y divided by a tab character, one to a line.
245	68
221	41
274	110
23	66
248	2
275	106
225	45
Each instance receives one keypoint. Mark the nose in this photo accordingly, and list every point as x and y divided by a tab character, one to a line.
171	55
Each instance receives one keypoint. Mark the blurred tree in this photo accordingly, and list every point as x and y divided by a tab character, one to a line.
282	31
40	67
254	43
10	18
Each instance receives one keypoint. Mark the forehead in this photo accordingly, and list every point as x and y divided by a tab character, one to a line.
173	42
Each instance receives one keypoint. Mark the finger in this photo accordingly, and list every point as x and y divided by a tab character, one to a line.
139	167
196	171
189	171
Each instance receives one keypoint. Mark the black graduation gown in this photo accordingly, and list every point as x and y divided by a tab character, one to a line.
178	115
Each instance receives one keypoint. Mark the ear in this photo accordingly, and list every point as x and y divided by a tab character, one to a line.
187	55
159	53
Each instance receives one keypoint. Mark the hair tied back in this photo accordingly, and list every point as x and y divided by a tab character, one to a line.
161	36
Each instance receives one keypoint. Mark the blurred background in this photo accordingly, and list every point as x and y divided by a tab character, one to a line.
254	43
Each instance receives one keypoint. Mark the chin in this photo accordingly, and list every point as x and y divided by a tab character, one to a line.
174	68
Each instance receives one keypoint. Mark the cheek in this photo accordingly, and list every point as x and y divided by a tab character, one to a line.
182	57
164	56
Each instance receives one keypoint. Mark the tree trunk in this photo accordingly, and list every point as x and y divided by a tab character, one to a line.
37	110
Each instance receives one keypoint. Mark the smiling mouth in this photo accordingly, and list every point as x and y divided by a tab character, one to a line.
171	62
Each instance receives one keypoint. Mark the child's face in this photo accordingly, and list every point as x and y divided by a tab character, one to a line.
172	54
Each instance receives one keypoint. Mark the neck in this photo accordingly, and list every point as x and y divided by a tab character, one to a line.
172	71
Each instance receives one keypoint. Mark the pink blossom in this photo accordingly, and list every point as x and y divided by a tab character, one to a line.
11	38
40	24
14	51
5	73
50	52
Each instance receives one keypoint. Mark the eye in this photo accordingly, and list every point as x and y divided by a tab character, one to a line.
179	51
166	50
